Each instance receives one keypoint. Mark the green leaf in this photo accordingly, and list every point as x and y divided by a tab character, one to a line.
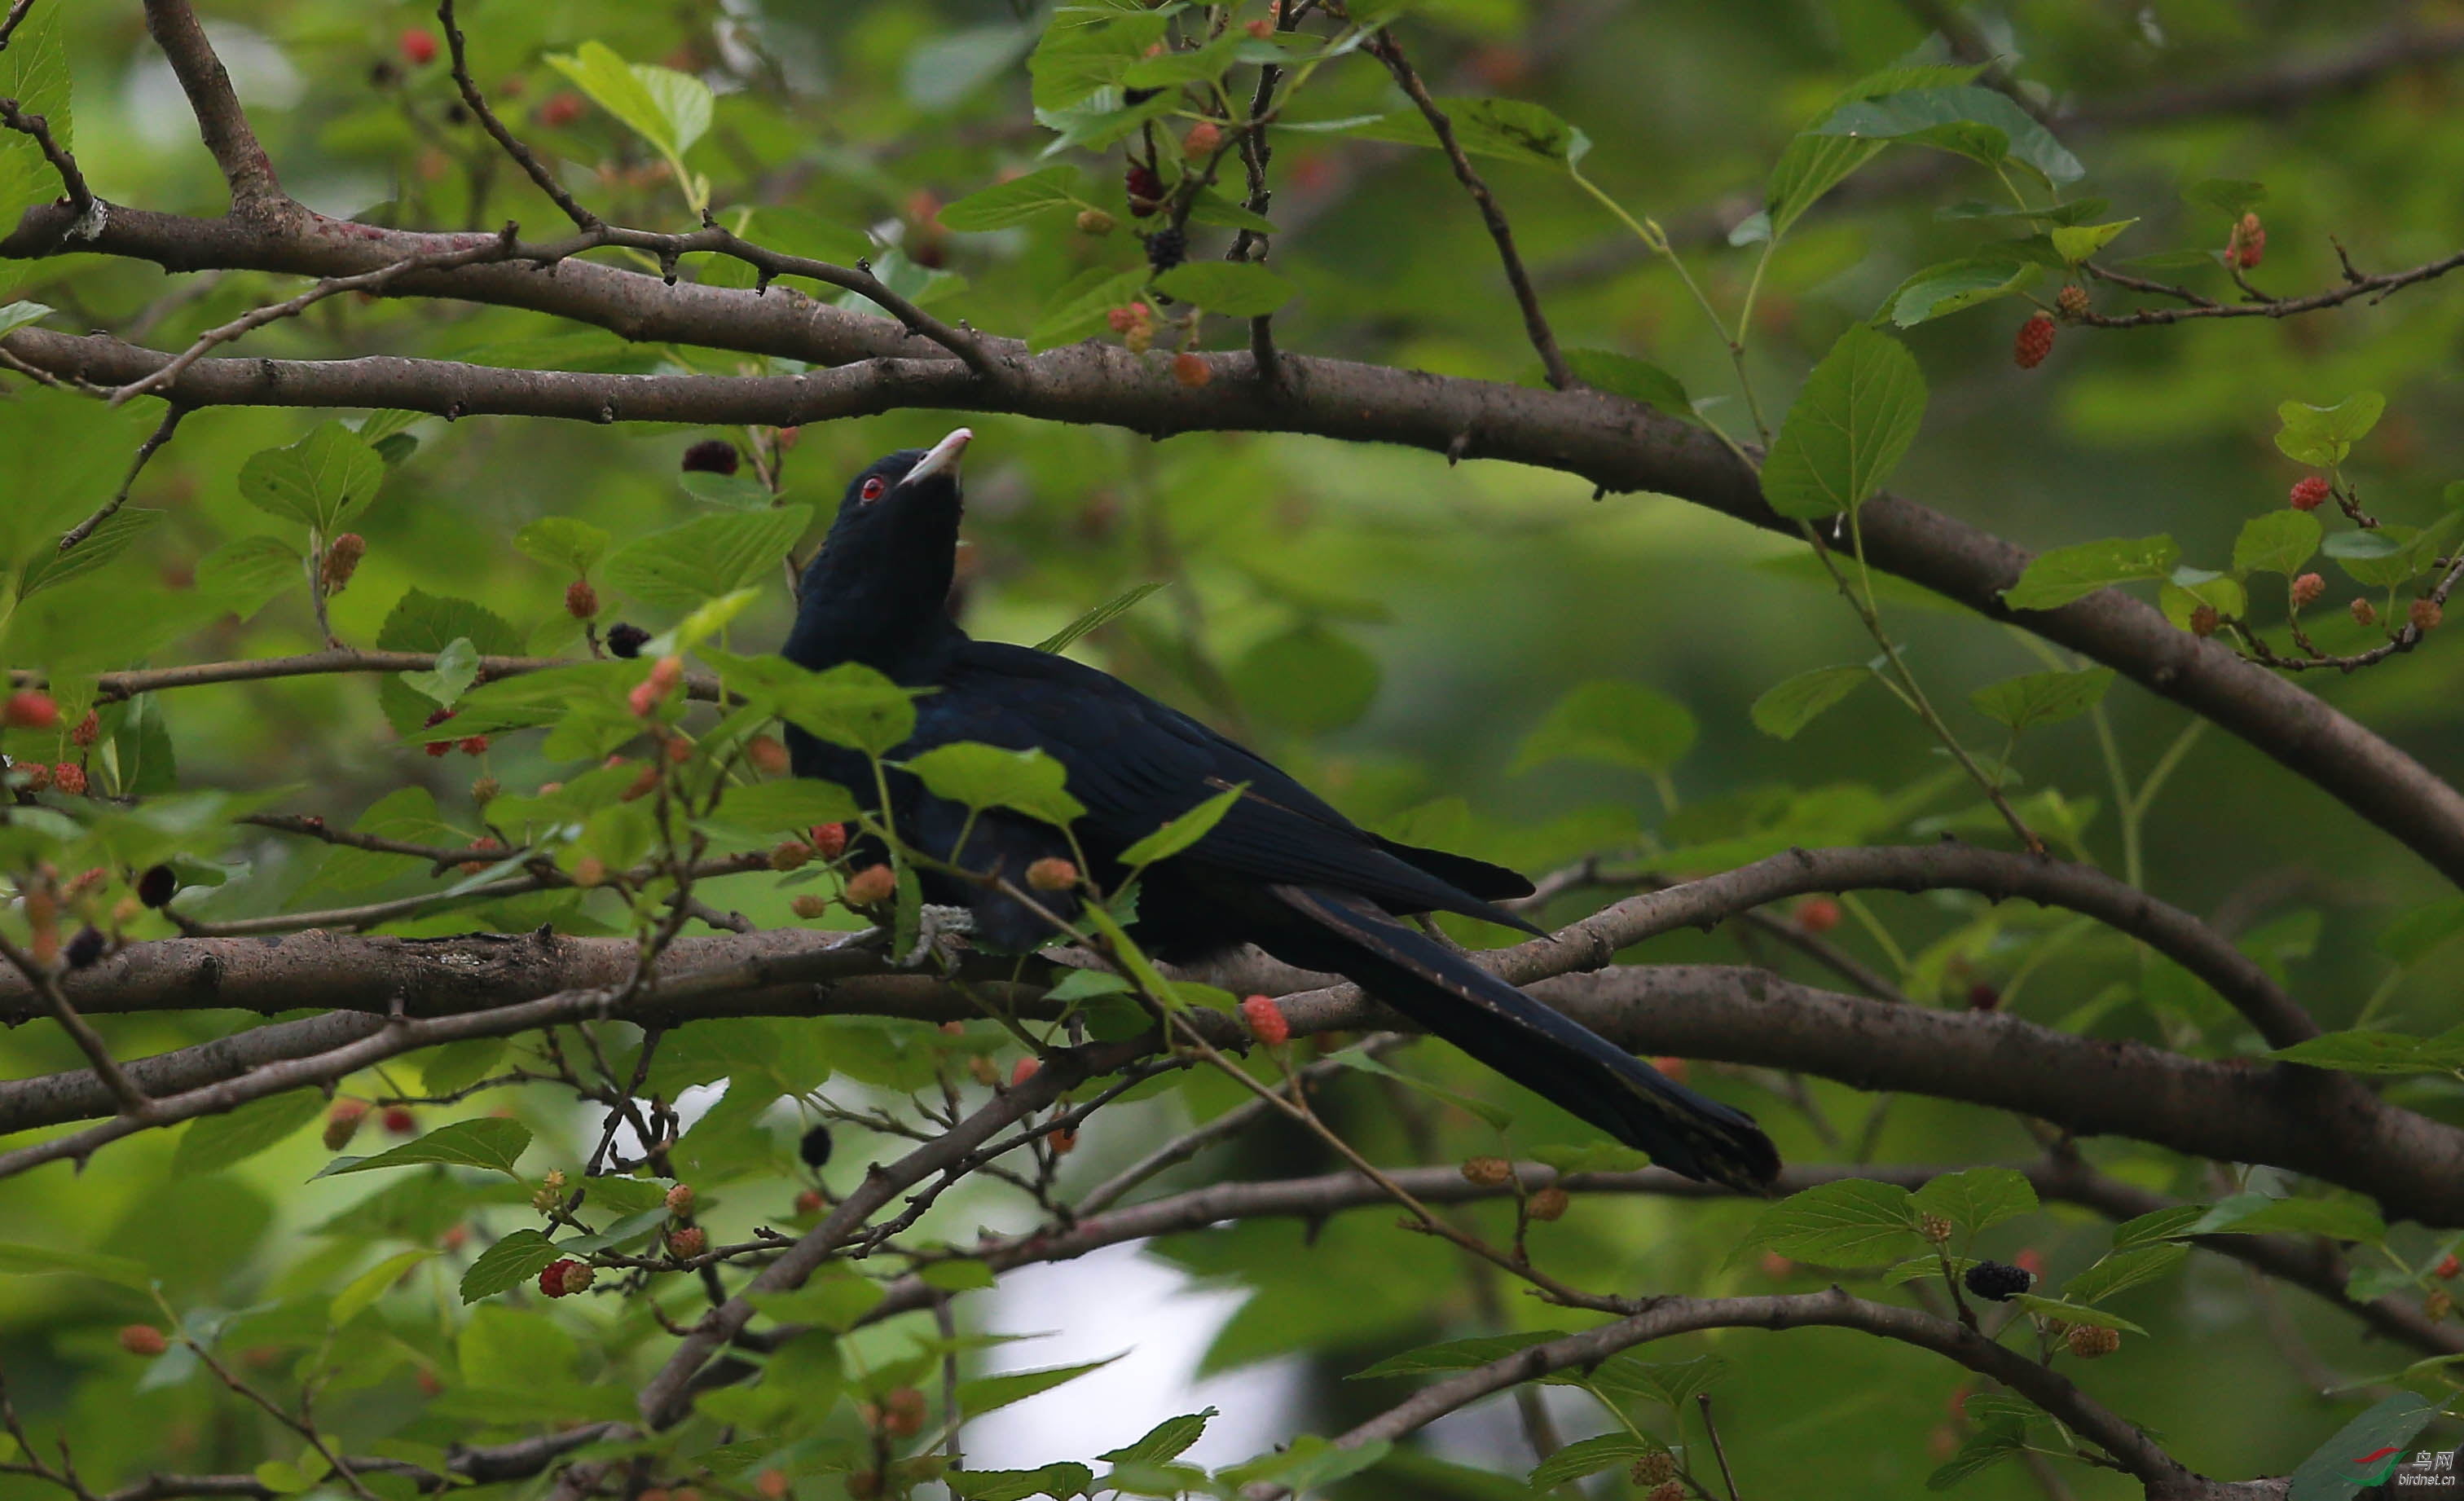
371	1285
1616	723
245	575
1853	1222
849	704
1992	1441
320	481
1212	208
2034	698
2379	1052
2230	197
1958	284
423	622
2278	542
2125	1268
457	1066
1516	130
458	668
2342	1219
669	109
2423	931
988	1393
1587	1457
1309	1463
1014	202
2157	1224
1062	1480
1813	163
2189	588
509	1262
1454	1354
1977	1198
35	72
561	542
1628	1377
35	1260
1183	831
2055	579
1976	122
1080	307
1362	1061
2364	1451
963	1275
836	1303
727	492
708	557
794	804
490	1142
1235	288
986	775
2323	436
1163	1442
2075	1312
213	1142
1101	615
1793	703
1854	417
106	541
2075	243
1634	380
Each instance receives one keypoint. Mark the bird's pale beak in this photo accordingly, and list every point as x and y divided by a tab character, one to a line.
942	458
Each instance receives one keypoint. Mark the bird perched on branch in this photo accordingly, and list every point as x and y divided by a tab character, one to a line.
1281	870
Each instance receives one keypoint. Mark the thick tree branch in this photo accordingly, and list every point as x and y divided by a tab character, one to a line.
1614	444
255	193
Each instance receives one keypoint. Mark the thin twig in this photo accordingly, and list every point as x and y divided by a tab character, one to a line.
524	157
147	449
1535	324
134	1104
2353	286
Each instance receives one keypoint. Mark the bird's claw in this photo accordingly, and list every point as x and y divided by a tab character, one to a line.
937	931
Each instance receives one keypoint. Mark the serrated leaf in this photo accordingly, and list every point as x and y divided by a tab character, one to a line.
320	481
1613	722
245	575
792	805
728	491
213	1142
371	1285
1957	285
457	1066
2323	436
562	542
1854	417
1976	122
836	1303
1237	289
1977	1198
2075	1312
490	1142
987	776
2033	698
1793	703
1515	131
2125	1268
1061	1480
1586	1457
2157	1224
2232	197
1183	831
685	566
35	1261
509	1262
1991	1442
2278	542
625	91
2180	596
1361	1062
2077	242
2055	579
1306	1464
1852	1222
1163	1442
849	704
1014	202
1813	163
1081	307
35	72
2364	1451
990	1393
106	541
2420	933
2341	1219
456	669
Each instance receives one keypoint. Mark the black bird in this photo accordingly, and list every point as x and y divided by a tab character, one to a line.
1281	869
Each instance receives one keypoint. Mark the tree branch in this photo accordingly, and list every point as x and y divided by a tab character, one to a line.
256	194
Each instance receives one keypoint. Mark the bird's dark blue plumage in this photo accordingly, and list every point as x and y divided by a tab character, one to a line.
1283	869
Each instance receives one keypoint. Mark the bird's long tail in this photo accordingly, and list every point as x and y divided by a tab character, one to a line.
1555	1057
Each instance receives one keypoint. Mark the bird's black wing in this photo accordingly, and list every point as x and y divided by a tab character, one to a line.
1136	764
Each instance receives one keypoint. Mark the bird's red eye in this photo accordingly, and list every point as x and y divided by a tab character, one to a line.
873	488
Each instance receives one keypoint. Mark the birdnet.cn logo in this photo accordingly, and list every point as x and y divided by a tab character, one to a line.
2421	1469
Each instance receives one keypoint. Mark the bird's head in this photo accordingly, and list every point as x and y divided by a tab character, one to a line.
886	567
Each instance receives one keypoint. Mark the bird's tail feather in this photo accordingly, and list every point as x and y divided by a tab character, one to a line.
1542	1050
